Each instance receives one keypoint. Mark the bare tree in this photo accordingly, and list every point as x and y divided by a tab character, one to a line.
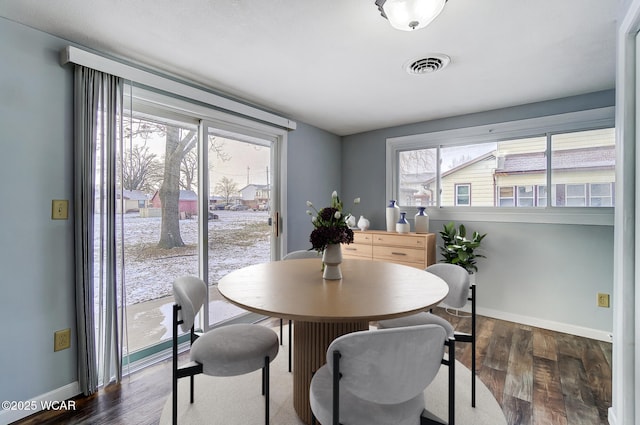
177	146
418	161
189	170
140	169
226	188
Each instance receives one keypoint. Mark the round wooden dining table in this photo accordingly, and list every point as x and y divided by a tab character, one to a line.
323	310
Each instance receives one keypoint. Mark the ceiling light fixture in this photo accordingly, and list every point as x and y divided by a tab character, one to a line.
409	15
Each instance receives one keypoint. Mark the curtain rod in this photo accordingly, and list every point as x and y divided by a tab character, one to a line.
72	54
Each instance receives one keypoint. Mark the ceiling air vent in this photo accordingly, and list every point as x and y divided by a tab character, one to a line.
427	65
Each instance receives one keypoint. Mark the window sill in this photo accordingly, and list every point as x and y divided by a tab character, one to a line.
555	215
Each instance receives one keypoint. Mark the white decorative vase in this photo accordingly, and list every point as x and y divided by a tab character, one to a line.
393	214
363	223
332	258
421	221
402	226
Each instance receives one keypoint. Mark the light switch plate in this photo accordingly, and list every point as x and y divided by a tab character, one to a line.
59	209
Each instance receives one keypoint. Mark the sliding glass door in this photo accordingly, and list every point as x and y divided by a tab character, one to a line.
197	193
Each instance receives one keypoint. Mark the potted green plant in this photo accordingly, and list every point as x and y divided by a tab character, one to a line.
457	249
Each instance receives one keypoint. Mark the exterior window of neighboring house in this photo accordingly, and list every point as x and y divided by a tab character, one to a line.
526	196
463	194
506	196
541	195
601	194
576	195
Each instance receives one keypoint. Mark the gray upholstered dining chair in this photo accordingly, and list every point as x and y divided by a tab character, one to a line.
292	256
378	377
460	291
224	351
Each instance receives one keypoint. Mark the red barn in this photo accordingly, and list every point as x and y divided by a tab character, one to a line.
187	204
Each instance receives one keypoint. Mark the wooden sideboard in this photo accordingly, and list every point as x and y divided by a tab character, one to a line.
411	249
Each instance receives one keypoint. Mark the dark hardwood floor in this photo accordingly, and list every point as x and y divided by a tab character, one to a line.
537	376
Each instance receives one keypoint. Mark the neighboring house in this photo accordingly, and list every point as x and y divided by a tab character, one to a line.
581	177
187	204
132	201
515	175
255	194
471	183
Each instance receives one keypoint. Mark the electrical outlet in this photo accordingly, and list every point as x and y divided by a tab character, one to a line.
62	339
59	209
603	300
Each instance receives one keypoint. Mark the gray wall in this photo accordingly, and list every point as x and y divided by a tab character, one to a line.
547	272
314	171
36	253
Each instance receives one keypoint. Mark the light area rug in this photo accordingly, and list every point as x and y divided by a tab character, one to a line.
237	400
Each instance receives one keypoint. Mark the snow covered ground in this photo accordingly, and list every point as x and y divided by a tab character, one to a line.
236	239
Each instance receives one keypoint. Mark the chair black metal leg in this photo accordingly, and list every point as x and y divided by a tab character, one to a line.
265	381
336	388
290	346
473	345
174	413
174	407
452	381
191	379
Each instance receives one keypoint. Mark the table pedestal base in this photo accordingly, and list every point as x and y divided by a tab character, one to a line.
310	343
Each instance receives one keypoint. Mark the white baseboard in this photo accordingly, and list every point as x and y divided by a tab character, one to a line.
35	405
597	334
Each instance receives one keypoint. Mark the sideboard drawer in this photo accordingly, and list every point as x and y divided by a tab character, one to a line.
403	240
357	250
362	237
399	254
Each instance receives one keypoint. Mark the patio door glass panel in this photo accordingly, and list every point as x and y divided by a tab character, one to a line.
157	202
240	230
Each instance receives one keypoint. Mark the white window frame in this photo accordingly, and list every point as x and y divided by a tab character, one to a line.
459	185
532	197
609	196
569	122
512	198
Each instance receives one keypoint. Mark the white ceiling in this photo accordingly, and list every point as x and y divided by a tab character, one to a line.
338	65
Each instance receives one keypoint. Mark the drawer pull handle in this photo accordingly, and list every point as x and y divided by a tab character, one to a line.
350	249
398	253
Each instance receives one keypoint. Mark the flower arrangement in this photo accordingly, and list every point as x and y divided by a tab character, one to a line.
330	224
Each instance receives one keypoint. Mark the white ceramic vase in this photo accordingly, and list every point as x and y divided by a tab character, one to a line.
421	222
332	258
402	226
393	214
363	223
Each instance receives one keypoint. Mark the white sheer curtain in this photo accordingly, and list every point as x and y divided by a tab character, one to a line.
99	272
